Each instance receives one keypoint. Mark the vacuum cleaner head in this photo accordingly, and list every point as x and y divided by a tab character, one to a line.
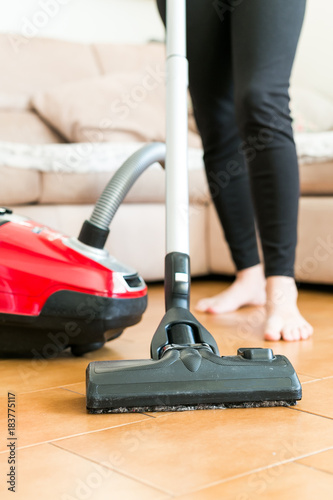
186	372
56	292
192	378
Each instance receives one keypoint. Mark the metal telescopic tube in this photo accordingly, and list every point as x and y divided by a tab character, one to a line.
177	197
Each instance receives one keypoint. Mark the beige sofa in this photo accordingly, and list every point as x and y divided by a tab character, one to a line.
52	93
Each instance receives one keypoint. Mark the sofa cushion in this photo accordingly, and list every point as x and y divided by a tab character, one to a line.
25	127
115	58
62	187
66	187
317	178
121	107
77	173
110	108
35	64
18	186
314	253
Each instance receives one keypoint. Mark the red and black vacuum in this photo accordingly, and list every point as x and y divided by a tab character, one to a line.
58	292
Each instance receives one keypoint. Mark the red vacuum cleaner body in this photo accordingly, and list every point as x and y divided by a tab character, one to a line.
56	292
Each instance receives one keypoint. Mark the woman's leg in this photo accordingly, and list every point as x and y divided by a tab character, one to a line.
211	88
264	40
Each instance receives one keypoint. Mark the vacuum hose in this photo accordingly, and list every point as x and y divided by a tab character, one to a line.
95	231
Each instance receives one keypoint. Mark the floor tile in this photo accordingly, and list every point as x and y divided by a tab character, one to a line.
79	388
56	413
305	379
318	398
287	482
322	461
317	307
311	357
200	447
28	375
46	471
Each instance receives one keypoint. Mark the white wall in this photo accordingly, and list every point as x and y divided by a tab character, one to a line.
314	61
83	20
138	21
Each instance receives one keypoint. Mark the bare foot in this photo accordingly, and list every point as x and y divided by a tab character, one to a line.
247	289
284	321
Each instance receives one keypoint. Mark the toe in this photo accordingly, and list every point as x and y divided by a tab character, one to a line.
287	334
273	329
296	333
306	331
212	310
216	308
202	305
272	335
309	329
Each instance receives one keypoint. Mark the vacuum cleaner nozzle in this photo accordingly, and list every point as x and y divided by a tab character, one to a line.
187	372
192	377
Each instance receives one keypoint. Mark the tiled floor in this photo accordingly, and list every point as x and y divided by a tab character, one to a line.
239	454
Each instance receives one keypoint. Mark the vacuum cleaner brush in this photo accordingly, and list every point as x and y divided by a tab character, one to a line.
192	378
191	375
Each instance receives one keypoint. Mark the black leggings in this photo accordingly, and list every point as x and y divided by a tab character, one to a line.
240	56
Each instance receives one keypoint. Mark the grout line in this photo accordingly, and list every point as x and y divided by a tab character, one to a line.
308	412
80	434
112	468
255	471
314	468
49	388
312	381
316	379
70	390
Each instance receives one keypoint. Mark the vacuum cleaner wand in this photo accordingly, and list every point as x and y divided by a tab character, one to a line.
185	370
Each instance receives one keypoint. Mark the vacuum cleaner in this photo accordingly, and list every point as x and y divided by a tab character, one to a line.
58	292
185	370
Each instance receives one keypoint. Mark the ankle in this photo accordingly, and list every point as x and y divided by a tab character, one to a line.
281	290
253	273
285	283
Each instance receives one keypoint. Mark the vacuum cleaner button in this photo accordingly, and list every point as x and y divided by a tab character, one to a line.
256	353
